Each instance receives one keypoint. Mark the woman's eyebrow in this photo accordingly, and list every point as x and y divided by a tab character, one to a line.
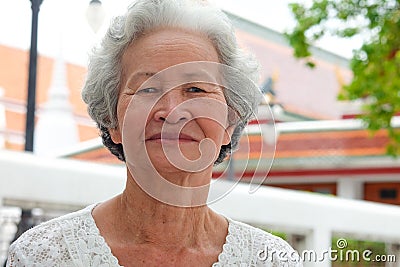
142	73
135	76
200	75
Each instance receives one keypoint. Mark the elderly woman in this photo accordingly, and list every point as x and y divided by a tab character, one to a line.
171	93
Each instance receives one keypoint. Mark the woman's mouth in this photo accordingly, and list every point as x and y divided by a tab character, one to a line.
171	138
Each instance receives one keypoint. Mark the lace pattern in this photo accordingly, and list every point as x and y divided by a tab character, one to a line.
246	246
75	240
40	248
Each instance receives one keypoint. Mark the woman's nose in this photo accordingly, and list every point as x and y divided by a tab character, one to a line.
171	108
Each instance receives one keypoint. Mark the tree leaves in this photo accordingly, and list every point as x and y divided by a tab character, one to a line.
375	66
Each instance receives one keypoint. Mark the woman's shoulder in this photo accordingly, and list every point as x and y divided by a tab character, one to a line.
56	228
256	247
47	243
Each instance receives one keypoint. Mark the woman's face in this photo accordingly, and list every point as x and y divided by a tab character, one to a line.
171	107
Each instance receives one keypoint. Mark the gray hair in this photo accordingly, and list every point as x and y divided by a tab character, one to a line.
101	88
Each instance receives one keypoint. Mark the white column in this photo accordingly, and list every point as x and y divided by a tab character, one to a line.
393	250
318	246
9	218
350	189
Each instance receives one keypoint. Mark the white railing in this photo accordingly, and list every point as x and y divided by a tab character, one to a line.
9	218
315	217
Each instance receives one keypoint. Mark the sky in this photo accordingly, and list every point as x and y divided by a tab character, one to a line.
63	25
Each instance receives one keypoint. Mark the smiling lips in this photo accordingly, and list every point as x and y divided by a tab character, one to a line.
167	137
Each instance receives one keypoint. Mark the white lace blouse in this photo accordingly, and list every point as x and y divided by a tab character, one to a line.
75	240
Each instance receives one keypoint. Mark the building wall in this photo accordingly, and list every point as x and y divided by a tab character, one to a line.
382	192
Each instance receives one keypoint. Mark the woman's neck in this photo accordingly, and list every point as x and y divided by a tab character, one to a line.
154	222
134	217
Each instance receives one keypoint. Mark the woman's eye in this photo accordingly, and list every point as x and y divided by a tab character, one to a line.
147	90
194	89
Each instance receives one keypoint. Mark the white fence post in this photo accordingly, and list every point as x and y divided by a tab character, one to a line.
9	218
392	250
318	244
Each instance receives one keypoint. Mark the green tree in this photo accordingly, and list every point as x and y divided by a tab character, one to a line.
375	66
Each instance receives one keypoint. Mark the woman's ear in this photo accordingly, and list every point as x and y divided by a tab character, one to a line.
228	134
115	135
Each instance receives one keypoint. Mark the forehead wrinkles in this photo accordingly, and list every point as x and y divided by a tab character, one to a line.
167	47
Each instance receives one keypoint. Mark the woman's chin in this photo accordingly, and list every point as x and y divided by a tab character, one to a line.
170	153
